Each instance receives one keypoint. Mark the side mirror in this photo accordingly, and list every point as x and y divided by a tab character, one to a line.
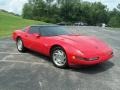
36	35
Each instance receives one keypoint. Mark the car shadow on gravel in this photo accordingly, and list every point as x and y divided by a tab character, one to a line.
94	69
39	55
88	70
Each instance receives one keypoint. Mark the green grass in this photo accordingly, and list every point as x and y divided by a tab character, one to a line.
9	23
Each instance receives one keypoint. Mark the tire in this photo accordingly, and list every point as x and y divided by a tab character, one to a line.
59	57
20	45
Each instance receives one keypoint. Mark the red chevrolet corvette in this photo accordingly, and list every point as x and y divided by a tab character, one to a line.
64	49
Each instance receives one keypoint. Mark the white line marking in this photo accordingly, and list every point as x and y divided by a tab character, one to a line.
10	53
8	56
14	61
40	83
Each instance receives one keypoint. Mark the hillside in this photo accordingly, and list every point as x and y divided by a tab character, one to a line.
9	23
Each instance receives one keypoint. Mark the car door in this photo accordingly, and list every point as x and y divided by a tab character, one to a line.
35	41
25	37
40	42
30	37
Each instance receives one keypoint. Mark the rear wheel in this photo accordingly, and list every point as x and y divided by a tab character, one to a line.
20	45
59	57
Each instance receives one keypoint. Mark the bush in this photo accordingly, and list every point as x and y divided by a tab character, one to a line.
114	22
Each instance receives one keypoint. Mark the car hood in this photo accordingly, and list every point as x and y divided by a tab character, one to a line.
89	45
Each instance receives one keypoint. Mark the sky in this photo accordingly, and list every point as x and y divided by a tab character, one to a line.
17	5
110	3
12	5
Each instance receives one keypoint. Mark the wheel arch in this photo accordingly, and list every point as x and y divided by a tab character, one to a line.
56	45
18	38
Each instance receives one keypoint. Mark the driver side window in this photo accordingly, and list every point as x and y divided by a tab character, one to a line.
33	29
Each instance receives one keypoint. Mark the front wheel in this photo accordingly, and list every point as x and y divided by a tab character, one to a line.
59	57
20	45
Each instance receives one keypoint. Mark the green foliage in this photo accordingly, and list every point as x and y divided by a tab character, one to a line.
114	18
98	13
27	11
9	23
118	6
114	22
71	11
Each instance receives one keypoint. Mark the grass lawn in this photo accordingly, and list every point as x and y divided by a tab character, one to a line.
9	23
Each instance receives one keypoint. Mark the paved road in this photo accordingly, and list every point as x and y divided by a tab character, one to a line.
33	71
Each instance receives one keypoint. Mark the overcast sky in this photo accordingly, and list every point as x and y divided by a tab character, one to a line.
17	5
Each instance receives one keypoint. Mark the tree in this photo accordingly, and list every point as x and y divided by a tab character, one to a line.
27	11
115	17
98	13
114	22
71	11
118	6
39	9
67	9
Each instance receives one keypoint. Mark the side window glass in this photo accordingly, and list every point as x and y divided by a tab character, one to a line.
33	30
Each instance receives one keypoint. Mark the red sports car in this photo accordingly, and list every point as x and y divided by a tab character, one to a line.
64	49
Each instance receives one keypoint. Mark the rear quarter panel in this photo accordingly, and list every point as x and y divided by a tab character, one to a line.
17	33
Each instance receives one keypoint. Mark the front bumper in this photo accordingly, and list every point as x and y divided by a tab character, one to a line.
102	58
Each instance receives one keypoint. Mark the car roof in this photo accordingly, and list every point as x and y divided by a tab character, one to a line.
51	25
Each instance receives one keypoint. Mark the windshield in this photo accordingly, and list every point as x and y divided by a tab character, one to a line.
53	31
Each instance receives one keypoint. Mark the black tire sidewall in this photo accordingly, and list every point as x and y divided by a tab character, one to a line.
23	48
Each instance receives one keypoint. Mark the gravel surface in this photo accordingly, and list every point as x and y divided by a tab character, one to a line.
33	71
